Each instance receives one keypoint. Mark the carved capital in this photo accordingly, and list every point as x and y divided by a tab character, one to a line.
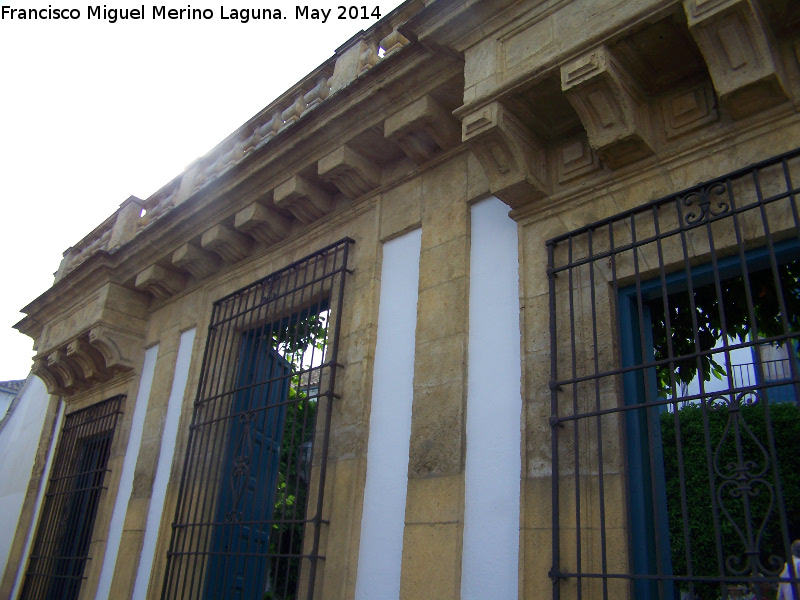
303	199
422	128
262	224
196	261
612	109
513	159
159	282
231	245
349	171
738	49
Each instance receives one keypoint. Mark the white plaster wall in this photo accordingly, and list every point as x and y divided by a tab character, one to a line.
494	403
126	477
19	440
381	549
164	466
37	509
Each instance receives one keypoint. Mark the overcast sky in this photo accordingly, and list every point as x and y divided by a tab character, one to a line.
93	112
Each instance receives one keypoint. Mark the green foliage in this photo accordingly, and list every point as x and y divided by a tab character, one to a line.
696	447
294	339
709	318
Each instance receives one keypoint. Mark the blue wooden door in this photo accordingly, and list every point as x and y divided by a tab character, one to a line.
238	562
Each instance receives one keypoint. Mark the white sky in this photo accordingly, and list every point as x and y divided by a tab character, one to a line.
93	112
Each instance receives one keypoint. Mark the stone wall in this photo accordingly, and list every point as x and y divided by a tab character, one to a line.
569	112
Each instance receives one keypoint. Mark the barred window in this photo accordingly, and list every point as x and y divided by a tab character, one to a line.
674	345
61	547
249	513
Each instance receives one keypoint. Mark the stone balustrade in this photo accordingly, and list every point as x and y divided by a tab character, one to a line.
363	53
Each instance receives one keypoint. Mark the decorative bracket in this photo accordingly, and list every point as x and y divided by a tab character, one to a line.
160	282
349	171
513	159
231	245
88	359
613	111
91	357
421	129
196	261
737	45
262	224
303	199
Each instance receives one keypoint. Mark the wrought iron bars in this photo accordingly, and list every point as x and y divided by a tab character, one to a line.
63	538
249	511
669	465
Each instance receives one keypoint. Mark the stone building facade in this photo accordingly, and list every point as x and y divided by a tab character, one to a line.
475	228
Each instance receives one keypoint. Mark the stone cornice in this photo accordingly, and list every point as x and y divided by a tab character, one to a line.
205	228
88	341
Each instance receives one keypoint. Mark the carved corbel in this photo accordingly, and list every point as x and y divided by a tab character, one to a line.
117	347
349	171
512	157
160	282
612	109
64	371
48	376
88	360
196	261
262	224
422	128
231	245
738	48
303	199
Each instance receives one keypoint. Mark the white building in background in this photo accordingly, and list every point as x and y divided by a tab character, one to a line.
8	391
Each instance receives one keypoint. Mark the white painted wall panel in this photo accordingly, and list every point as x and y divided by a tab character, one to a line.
164	466
494	404
37	509
19	441
380	552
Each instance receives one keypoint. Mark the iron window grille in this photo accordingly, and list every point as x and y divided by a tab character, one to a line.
675	381
63	538
249	509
